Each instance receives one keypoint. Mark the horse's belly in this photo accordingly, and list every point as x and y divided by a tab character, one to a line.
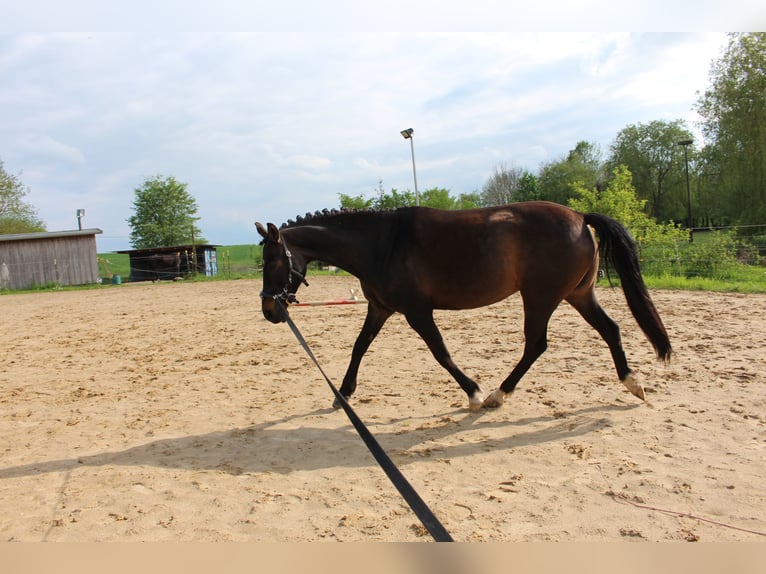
468	283
471	297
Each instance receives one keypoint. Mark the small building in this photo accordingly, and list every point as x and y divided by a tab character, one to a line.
158	263
28	260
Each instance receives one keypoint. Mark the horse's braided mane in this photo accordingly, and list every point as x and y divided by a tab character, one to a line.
325	213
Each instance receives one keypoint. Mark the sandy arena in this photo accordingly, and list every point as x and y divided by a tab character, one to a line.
175	412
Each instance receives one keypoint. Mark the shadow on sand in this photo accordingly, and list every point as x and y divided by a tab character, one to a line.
266	447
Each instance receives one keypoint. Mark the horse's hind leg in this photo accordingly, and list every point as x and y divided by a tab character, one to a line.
536	317
423	324
587	305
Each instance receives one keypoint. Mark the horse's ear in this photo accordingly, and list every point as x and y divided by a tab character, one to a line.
273	233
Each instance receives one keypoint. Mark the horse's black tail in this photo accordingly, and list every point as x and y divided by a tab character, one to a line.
618	248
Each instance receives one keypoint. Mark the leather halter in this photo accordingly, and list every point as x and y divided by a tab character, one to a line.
286	295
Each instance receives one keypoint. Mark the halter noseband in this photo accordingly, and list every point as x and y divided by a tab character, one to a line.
286	295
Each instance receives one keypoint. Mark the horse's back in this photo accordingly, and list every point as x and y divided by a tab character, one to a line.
476	257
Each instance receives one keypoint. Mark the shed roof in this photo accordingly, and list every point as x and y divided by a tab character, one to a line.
169	249
49	234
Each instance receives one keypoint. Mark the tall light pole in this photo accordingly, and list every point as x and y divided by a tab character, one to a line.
686	143
407	134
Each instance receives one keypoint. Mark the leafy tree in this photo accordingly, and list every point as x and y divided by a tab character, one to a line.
582	164
395	199
664	248
711	207
529	187
656	160
468	200
355	201
618	200
435	197
16	215
733	111
658	244
165	215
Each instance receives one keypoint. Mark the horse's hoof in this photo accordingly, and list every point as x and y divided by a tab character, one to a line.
495	400
336	403
475	402
632	384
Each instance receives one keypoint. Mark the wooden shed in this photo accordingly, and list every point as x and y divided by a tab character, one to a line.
176	262
48	258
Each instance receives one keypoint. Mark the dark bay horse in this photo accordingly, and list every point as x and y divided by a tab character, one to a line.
414	260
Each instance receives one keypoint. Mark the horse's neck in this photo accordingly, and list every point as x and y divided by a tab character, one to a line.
339	246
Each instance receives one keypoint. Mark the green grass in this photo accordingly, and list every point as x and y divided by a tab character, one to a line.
742	279
113	264
745	279
237	261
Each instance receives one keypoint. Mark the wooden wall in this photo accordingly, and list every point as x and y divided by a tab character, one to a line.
41	259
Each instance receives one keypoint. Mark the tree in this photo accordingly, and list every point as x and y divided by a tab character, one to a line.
652	154
618	200
164	215
509	185
16	215
355	201
435	197
529	187
658	243
711	207
733	111
583	164
470	200
396	199
502	186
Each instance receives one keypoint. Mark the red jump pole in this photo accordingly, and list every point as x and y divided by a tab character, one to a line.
353	300
336	302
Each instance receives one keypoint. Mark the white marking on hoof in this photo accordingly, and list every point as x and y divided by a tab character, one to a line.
495	400
336	403
475	402
632	384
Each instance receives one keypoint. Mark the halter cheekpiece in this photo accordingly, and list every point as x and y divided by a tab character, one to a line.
285	295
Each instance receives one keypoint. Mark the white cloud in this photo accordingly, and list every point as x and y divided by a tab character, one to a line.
45	147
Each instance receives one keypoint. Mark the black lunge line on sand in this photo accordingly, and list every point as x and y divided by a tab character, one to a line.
418	506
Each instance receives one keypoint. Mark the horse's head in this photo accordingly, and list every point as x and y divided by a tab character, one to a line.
283	273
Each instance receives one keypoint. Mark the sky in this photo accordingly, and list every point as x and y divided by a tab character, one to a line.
263	126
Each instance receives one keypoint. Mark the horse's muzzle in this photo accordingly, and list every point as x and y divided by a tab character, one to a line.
271	312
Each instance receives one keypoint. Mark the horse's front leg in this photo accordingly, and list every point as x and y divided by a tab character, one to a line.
423	323
376	317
